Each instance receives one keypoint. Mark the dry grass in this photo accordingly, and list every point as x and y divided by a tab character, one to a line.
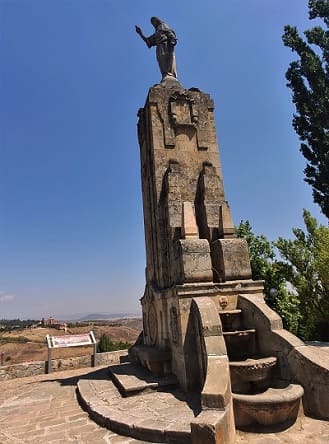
36	349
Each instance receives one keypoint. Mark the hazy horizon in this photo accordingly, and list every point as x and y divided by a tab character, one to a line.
82	316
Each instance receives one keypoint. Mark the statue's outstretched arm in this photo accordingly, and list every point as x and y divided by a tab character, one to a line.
140	33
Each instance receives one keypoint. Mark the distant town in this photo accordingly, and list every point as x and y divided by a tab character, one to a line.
51	322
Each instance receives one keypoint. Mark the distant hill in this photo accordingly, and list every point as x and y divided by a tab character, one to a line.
81	317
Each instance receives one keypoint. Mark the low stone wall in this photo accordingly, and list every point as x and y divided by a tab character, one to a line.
39	367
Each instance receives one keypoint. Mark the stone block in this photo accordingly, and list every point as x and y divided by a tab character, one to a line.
230	259
194	262
214	427
189	226
226	226
155	360
216	393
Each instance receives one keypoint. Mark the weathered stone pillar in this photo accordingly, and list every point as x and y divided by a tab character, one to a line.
191	252
180	163
187	220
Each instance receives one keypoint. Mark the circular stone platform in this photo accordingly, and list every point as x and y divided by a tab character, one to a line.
161	416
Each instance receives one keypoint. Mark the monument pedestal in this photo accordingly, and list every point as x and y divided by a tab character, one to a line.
188	234
205	321
204	317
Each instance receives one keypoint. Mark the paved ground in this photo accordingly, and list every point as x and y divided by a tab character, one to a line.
304	431
44	409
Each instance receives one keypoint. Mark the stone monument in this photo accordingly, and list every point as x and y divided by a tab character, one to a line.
206	325
205	319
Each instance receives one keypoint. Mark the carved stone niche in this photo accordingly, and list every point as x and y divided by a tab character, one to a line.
182	109
230	258
185	111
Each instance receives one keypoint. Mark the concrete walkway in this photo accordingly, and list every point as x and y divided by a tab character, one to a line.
44	409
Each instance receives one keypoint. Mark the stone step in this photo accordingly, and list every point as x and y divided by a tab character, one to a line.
272	407
131	379
230	312
239	333
163	416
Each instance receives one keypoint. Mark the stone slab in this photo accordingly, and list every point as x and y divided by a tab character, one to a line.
43	409
131	379
153	416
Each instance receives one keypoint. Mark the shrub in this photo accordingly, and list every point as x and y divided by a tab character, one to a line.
105	344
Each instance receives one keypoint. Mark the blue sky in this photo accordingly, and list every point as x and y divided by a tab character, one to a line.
73	74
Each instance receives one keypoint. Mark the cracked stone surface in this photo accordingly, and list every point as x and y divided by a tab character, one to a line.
45	409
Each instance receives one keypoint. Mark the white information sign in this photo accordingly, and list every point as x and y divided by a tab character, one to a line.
70	341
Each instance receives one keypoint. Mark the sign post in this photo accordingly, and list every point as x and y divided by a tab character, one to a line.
71	341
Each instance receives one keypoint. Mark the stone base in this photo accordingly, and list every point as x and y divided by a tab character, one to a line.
171	83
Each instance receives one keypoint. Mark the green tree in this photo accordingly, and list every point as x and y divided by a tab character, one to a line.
308	78
306	262
104	344
264	266
260	250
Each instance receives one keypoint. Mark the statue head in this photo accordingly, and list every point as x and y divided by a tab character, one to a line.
155	21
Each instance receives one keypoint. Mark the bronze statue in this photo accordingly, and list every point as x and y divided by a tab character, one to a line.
165	40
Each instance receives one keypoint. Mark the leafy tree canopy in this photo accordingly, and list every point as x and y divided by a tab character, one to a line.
298	269
307	269
266	267
308	78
